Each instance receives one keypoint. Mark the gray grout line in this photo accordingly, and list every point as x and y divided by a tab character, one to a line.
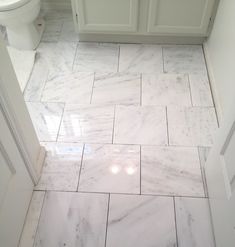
190	90
80	170
113	124
176	230
92	87
75	55
61	120
141	89
167	128
140	169
107	221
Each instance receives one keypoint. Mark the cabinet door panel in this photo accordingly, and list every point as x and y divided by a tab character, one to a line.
107	15
179	16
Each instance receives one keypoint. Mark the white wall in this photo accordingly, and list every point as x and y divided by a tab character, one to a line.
220	55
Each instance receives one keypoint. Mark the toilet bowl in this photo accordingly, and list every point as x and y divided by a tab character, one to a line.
19	17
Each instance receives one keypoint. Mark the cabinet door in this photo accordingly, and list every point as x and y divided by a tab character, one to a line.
184	17
107	15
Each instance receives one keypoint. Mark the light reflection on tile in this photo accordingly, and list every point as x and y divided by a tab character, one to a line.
46	118
144	221
110	168
61	168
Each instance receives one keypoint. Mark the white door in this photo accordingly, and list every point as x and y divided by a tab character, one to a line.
220	175
16	187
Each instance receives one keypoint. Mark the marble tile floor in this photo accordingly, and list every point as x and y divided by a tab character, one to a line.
127	129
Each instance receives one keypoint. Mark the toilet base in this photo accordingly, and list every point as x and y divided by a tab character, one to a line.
26	37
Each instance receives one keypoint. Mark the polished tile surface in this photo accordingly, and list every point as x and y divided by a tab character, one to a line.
141	58
191	126
72	219
92	124
140	125
193	222
69	88
68	32
61	168
171	171
110	168
116	88
46	118
165	89
52	31
141	221
96	57
32	218
184	59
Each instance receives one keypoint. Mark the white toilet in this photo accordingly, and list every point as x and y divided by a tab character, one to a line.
19	17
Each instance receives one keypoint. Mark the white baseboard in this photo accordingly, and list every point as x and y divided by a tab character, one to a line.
213	83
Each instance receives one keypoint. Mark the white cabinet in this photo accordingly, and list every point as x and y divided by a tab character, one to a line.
179	16
107	15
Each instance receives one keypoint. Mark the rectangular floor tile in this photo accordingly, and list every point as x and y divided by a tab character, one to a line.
32	219
171	171
140	58
61	167
69	88
96	57
46	118
140	125
68	32
116	88
165	89
184	59
58	57
143	221
200	88
92	124
110	168
191	126
72	219
194	227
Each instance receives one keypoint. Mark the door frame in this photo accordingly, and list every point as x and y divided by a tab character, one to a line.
17	116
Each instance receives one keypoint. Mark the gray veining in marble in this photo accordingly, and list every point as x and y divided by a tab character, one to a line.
72	219
200	88
36	83
191	126
141	221
46	118
165	89
184	59
61	168
69	88
32	219
110	168
194	227
52	30
58	57
68	32
96	57
141	58
171	171
140	125
116	88
86	123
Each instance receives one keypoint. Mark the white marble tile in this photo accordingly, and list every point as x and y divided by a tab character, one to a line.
46	118
171	171
70	88
56	14
61	167
93	124
200	89
116	88
58	57
52	30
36	83
141	58
184	59
140	125
72	219
32	219
68	32
110	168
191	126
98	57
194	227
144	221
165	89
